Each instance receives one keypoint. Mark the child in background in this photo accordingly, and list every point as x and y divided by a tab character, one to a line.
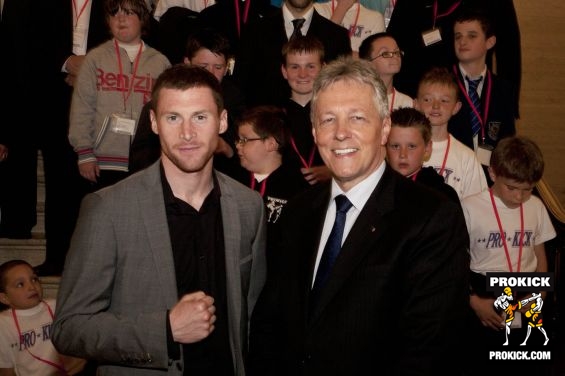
302	59
438	99
382	51
262	139
474	38
113	84
409	145
25	326
508	227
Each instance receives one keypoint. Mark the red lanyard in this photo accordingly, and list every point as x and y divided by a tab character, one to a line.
392	99
59	367
352	27
263	184
238	16
482	119
79	13
447	13
414	176
127	93
312	152
503	235
445	156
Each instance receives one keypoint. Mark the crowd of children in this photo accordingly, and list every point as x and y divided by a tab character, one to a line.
457	136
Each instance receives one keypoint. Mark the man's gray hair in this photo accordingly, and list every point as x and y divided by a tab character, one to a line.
346	68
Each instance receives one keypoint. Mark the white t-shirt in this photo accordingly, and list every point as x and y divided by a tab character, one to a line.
486	246
462	168
358	20
35	326
400	100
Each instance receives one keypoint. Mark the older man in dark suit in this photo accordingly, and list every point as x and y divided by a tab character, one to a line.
258	63
387	294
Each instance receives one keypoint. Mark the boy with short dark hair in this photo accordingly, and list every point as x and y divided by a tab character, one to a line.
508	227
27	316
409	145
263	137
488	109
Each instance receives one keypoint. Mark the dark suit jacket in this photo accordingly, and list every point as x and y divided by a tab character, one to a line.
258	65
394	300
412	17
501	109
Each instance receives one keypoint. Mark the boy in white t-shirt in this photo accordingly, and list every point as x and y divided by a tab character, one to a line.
508	227
438	99
25	326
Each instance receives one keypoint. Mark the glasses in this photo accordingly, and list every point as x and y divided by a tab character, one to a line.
389	54
242	141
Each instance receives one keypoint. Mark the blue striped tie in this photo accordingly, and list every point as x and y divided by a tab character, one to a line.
333	245
474	96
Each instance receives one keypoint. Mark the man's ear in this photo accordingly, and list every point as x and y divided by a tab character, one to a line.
386	126
223	121
153	119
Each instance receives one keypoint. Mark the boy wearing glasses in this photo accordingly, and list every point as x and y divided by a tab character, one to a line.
263	136
382	51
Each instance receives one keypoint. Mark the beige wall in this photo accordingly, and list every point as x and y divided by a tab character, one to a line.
542	101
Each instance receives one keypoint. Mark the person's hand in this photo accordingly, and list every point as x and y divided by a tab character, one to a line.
3	152
89	170
224	148
192	318
73	64
316	174
484	309
70	79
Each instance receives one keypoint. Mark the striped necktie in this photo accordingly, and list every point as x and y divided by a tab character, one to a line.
476	101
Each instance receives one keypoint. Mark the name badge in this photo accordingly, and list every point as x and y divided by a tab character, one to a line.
79	40
122	125
431	37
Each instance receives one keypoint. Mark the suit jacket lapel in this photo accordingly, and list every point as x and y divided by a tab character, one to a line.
363	237
158	230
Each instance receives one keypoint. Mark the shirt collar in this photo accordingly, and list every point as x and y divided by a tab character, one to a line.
359	194
288	17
